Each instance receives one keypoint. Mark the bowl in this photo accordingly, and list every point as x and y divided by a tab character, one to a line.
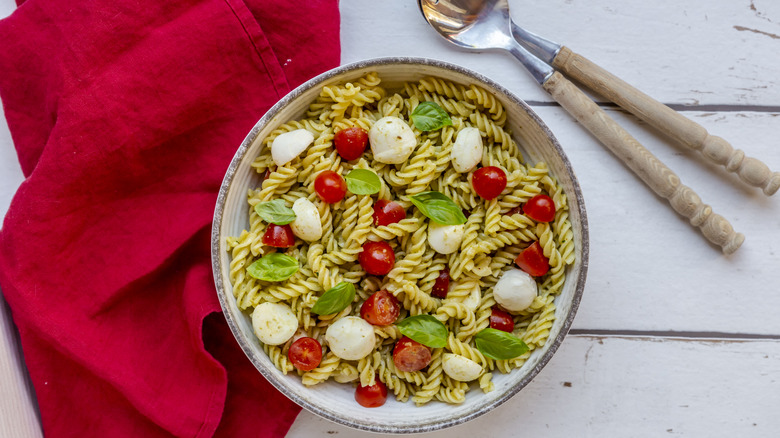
335	401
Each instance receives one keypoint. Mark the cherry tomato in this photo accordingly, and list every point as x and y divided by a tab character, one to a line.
330	186
381	308
540	208
501	320
305	354
351	142
516	210
410	356
372	396
442	284
533	261
377	258
279	236
388	212
488	182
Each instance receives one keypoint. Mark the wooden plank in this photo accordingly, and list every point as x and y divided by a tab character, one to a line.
691	53
637	387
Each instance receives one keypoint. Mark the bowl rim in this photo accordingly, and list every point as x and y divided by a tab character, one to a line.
216	255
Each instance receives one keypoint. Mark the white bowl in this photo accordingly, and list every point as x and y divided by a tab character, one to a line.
336	401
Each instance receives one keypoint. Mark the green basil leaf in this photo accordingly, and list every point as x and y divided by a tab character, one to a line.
335	299
499	345
363	182
424	329
275	212
439	208
429	116
273	267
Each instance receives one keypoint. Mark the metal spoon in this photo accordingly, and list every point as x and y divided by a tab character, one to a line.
485	25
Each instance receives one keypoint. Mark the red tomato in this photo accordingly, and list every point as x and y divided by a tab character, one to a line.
533	261
410	356
330	186
305	354
442	284
388	212
381	308
377	258
488	182
372	396
279	236
540	208
351	142
501	320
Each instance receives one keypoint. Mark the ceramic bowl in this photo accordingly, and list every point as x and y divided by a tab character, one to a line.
336	401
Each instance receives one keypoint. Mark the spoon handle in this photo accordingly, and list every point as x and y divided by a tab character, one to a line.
642	162
670	122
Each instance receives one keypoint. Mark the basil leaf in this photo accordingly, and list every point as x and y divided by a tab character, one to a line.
497	344
424	329
439	208
429	116
273	267
335	299
275	212
363	182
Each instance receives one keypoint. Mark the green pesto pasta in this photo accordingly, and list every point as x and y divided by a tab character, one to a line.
494	234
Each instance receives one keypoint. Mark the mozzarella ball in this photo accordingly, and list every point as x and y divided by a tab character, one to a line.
351	338
289	145
445	239
467	150
515	290
460	368
392	140
307	224
274	323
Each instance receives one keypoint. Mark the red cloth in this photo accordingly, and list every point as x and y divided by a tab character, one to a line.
125	115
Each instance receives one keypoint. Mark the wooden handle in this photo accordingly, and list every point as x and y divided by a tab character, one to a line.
670	122
650	169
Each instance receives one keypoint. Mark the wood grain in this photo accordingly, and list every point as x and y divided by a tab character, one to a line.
652	171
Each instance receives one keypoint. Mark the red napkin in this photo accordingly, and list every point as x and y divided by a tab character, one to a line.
125	115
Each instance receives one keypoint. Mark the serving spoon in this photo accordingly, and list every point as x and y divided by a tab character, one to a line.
484	25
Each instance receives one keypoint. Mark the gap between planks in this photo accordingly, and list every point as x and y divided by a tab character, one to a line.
676	335
681	107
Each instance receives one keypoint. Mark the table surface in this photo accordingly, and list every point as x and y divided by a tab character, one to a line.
672	338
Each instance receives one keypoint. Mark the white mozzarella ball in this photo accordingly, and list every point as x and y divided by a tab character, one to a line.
515	290
467	150
392	140
445	239
460	368
307	224
289	145
274	323
351	338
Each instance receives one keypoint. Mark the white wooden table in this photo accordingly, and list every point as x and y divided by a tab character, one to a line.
672	338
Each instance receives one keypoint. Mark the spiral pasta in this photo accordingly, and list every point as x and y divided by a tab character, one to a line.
494	234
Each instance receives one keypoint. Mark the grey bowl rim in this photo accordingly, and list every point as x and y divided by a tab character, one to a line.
217	225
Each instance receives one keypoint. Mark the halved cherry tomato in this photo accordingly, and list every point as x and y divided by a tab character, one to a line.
533	261
410	356
330	186
540	208
489	182
351	142
305	354
279	236
371	396
442	284
388	212
377	258
381	308
501	320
